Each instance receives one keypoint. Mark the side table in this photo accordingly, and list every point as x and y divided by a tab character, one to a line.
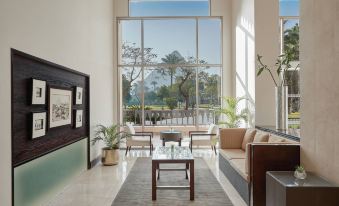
282	189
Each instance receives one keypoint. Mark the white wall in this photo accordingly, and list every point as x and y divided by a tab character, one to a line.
319	57
266	17
74	33
223	8
243	48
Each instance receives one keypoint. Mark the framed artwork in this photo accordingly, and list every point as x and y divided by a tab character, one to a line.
78	118
38	124
38	91
60	107
78	95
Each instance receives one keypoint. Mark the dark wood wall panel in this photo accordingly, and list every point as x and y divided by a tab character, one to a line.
24	68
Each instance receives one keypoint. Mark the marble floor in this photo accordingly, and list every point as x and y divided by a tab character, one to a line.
100	185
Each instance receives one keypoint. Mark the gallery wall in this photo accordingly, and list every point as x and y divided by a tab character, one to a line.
74	33
319	57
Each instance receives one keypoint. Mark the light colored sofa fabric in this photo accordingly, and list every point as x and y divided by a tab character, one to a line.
248	138
232	153
235	146
261	137
239	166
232	138
276	139
235	156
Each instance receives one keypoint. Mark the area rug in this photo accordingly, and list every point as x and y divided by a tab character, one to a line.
137	189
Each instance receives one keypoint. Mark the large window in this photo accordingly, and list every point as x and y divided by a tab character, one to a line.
170	70
289	21
169	8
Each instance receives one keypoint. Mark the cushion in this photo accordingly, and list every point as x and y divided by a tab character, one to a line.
261	137
239	166
275	139
248	138
130	129
212	129
232	153
231	138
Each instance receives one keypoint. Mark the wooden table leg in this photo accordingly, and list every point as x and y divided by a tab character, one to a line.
192	180
154	180
187	167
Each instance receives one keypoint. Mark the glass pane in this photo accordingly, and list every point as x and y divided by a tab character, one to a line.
170	96
172	41
130	42
169	8
293	82
209	94
289	7
131	94
210	40
291	37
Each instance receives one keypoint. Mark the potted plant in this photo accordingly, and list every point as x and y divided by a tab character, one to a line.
230	110
300	172
111	136
283	63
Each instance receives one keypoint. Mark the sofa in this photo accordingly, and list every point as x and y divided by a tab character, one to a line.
245	155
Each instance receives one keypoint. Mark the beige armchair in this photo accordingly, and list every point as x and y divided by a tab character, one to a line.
205	138
141	139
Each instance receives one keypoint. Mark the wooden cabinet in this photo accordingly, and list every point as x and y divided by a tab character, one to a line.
282	189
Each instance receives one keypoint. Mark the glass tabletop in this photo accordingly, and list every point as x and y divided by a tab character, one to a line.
178	153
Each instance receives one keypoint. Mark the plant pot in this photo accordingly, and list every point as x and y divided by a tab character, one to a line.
281	110
110	156
300	175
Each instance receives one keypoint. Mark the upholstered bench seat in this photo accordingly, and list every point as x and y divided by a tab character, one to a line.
232	153
246	154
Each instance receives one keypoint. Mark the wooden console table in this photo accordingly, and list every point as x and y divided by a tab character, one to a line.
282	189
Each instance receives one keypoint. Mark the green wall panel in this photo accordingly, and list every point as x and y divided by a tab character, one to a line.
38	181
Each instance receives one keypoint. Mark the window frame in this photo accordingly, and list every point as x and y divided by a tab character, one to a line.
143	66
297	63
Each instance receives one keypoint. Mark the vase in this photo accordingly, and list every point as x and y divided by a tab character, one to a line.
281	110
300	175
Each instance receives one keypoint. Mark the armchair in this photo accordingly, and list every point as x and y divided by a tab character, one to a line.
205	138
138	139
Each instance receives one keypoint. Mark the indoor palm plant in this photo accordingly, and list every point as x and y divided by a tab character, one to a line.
112	137
233	115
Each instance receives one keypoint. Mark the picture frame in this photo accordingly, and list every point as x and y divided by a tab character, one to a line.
78	118
38	92
60	107
78	95
39	124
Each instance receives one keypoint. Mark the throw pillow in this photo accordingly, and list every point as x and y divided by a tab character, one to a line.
261	137
248	138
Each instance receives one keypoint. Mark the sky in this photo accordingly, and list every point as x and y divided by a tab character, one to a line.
165	36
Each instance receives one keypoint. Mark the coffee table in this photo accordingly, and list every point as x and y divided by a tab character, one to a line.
165	155
170	136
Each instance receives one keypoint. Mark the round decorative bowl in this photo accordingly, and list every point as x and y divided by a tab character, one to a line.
300	175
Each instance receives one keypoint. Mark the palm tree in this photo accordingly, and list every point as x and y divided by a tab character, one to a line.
230	110
172	59
291	41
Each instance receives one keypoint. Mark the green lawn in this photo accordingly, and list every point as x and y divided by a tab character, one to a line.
295	115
